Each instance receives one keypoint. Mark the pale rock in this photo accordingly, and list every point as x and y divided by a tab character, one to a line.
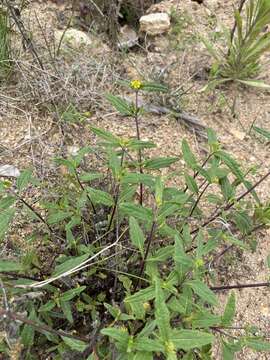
238	134
9	171
127	37
73	38
155	24
73	150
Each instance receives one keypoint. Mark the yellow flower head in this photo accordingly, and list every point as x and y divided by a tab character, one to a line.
136	84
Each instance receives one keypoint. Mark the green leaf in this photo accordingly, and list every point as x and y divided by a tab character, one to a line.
6	217
137	211
162	314
106	135
140	144
231	163
100	197
142	355
257	344
255	83
267	261
90	176
154	87
262	132
6	202
183	262
137	178
24	179
230	348
69	264
146	344
141	296
57	217
159	163
191	184
120	105
66	308
190	339
10	266
204	320
229	311
121	336
47	307
189	157
242	221
70	294
28	332
136	234
203	291
75	344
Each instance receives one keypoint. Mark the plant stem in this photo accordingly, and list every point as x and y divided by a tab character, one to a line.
35	212
39	327
229	206
240	286
142	266
136	118
83	189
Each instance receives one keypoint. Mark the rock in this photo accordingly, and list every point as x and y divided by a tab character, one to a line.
76	39
155	23
127	37
9	171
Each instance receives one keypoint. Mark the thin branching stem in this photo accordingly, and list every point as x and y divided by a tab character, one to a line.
136	118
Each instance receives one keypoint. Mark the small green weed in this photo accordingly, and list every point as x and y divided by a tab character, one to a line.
245	45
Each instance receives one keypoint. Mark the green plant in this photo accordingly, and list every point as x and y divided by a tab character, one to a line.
129	276
5	55
245	45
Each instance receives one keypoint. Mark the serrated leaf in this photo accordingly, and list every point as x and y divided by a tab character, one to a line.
121	336
203	291
75	344
136	235
141	296
190	339
160	163
120	105
137	178
100	197
229	311
106	135
137	211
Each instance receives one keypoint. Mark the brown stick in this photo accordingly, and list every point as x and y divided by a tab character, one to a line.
39	327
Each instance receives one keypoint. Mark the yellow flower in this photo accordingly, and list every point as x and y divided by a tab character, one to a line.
136	84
